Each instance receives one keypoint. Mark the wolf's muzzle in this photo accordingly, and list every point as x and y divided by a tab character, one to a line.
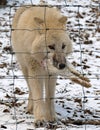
59	61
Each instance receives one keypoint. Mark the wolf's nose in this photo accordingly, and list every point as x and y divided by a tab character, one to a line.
62	66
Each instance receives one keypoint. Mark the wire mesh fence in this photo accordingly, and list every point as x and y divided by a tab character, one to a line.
74	107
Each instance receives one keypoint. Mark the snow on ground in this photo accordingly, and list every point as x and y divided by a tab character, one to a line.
76	107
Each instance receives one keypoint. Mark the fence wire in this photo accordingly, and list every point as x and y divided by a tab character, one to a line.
63	123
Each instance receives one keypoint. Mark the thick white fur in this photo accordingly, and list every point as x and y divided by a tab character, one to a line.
30	42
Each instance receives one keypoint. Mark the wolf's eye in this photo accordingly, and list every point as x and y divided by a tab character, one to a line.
52	47
63	46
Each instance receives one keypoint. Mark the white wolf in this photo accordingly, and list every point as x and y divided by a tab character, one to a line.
39	34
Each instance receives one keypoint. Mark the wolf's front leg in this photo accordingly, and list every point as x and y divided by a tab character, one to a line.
36	87
50	84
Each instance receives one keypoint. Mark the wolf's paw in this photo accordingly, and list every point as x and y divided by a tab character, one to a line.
39	123
51	125
46	124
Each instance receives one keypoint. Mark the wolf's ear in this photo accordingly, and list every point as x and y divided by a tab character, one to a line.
63	19
39	21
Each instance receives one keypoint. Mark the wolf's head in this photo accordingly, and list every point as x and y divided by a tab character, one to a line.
53	40
56	46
